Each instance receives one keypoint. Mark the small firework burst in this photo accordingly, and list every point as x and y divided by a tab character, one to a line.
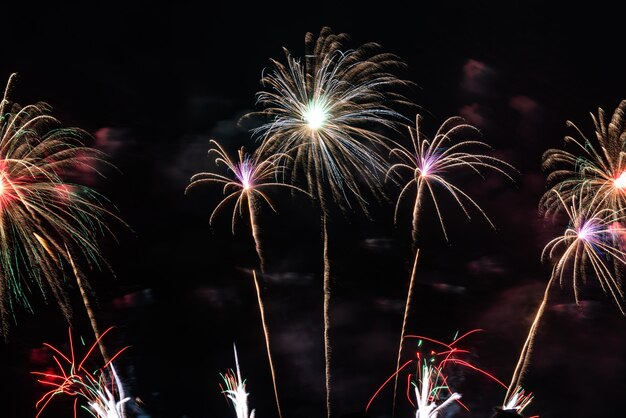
431	381
235	390
431	160
101	390
250	177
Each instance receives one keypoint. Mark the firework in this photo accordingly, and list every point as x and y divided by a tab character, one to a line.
599	167
431	380
101	391
235	390
323	109
429	163
46	223
328	110
250	176
585	249
518	401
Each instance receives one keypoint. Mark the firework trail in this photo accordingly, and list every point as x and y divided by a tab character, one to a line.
326	110
102	390
430	382
600	167
46	223
587	246
235	390
428	163
250	177
267	341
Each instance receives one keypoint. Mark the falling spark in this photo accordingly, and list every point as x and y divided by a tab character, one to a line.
40	232
326	110
429	163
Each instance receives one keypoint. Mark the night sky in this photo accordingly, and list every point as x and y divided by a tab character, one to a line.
153	84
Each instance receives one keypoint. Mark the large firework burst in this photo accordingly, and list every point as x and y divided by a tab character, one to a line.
46	223
326	109
599	166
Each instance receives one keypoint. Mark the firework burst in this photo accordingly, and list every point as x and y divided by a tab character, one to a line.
250	176
101	391
430	383
599	167
518	401
328	110
429	163
323	109
235	390
46	223
587	248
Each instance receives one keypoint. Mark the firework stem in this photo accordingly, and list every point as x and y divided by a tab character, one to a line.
326	313
255	232
524	357
92	317
267	340
407	308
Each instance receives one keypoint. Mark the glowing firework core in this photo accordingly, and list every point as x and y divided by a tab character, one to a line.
244	172
315	115
2	187
585	231
620	182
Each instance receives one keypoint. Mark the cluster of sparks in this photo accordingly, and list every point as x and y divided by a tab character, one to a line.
101	391
235	390
431	389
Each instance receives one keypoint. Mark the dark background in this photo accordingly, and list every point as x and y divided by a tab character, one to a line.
154	83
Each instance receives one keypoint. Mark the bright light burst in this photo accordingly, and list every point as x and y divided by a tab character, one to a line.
45	222
326	109
235	390
599	167
101	390
431	160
